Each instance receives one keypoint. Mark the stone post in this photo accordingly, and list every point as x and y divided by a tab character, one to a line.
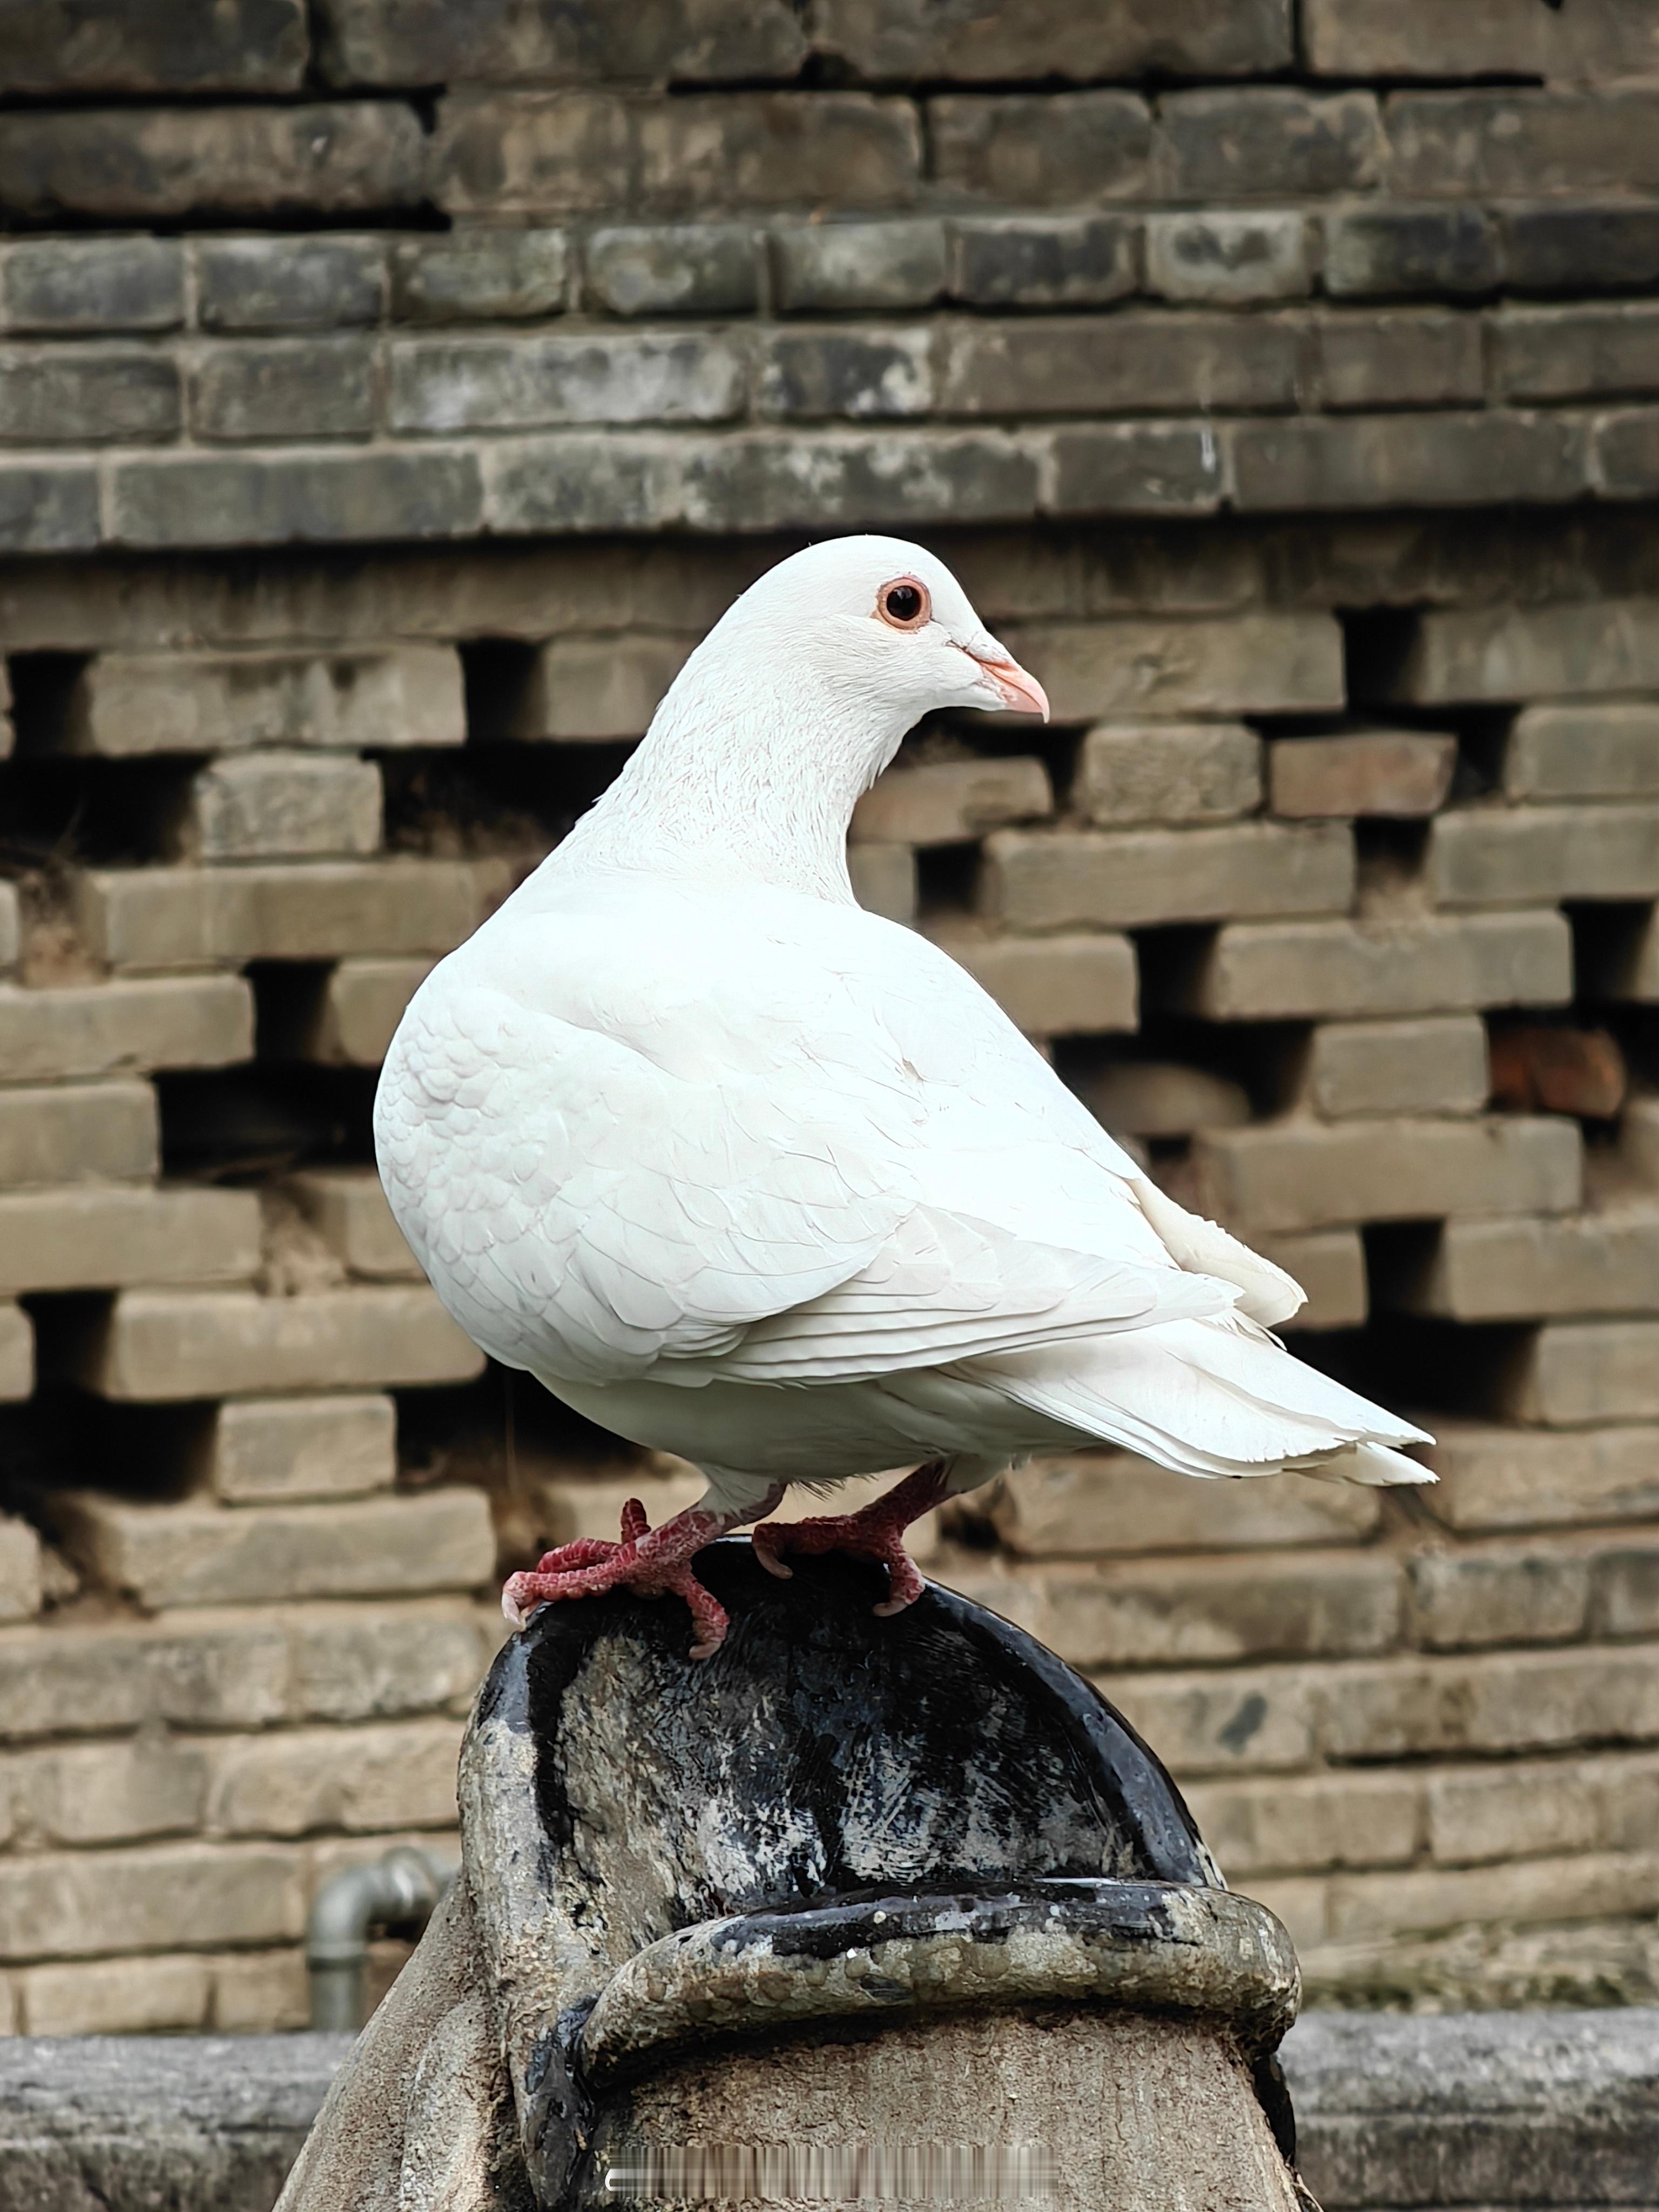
859	1909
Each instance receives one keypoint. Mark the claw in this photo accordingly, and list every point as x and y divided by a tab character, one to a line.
875	1532
646	1561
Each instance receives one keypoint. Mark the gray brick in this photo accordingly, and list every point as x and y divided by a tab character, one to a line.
1573	1373
1300	970
150	1347
323	498
361	1006
196	1554
54	46
348	1208
552	484
899	39
1401	773
1160	1098
160	918
317	388
105	1238
1482	38
87	1132
1579	649
1583	752
819	266
845	149
1135	468
673	268
884	880
137	164
762	482
1406	460
1532	1270
1571	353
498	42
77	285
1301	1175
1251	664
288	283
511	384
1535	855
584	689
863	373
1270	141
1625	461
1426	250
1437	1065
1506	1478
277	1450
69	1030
384	697
272	806
1168	772
951	802
1553	248
479	275
78	395
1155	364
509	154
1407	358
1522	144
1034	879
1228	259
1080	986
47	510
1044	261
1067	145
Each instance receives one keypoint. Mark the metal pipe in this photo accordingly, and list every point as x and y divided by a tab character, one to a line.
405	1885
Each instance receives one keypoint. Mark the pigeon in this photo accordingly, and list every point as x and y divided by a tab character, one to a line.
744	1173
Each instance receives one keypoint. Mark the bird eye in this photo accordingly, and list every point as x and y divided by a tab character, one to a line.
905	603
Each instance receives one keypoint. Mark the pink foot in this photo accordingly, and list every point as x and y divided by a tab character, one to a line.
876	1531
647	1561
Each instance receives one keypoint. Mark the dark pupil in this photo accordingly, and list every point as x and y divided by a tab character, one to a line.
904	603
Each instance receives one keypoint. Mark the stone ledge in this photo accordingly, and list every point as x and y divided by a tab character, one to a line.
1539	2108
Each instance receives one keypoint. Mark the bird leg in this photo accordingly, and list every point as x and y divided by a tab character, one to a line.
876	1531
647	1561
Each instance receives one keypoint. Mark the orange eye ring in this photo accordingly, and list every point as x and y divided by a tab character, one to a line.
905	603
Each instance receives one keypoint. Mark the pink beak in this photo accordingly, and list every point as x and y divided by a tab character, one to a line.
1019	690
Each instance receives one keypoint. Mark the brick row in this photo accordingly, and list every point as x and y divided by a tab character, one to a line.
1419	1705
762	479
356	42
276	388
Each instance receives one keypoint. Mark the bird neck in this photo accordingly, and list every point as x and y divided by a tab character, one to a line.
744	776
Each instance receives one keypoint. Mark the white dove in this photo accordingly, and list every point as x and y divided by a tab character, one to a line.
744	1173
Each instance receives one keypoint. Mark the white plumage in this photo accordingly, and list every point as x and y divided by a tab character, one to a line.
745	1173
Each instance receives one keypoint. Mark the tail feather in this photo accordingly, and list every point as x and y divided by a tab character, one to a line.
1212	1398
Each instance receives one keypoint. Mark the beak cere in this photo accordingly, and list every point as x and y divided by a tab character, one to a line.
1019	691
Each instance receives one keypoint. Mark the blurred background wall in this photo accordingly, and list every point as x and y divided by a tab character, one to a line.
390	393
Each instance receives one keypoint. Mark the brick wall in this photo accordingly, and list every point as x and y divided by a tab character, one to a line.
388	398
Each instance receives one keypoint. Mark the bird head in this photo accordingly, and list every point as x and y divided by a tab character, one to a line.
886	622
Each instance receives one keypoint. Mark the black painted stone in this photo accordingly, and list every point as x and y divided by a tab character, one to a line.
980	1759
